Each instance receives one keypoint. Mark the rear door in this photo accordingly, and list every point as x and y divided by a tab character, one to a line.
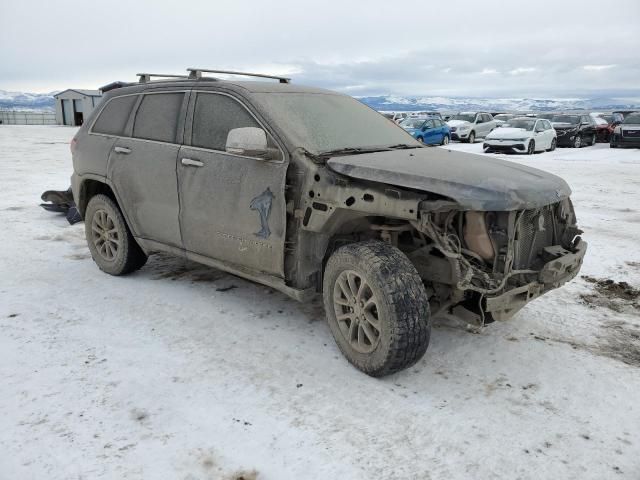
232	206
142	167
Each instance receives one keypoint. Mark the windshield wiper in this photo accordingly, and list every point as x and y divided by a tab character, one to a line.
403	146
350	151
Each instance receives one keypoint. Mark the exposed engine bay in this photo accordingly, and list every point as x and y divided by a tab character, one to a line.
484	266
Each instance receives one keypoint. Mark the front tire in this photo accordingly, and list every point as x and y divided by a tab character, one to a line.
111	244
577	142
531	148
593	140
472	138
377	307
553	146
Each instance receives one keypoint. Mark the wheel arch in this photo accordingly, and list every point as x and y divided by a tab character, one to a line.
89	188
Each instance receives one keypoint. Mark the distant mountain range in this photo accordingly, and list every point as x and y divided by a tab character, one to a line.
399	103
27	101
45	101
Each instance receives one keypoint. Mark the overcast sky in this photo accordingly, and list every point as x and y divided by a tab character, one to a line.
534	48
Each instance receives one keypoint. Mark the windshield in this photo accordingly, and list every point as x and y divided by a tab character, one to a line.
520	123
412	123
547	116
467	117
632	118
320	122
572	119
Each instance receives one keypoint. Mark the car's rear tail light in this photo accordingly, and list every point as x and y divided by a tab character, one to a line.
72	145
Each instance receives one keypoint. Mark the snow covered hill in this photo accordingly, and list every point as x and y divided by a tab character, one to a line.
21	100
31	101
400	103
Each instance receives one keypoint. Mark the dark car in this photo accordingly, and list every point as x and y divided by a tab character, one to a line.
310	191
627	134
574	130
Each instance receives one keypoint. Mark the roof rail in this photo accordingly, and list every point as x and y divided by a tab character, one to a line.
196	73
146	77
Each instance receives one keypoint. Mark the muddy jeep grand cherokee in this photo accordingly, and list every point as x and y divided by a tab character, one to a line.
307	191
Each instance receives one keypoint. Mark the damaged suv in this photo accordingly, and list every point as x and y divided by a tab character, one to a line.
309	191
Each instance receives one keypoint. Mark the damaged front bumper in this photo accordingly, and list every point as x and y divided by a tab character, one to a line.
562	267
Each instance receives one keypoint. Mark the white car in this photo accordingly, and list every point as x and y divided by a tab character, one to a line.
522	135
467	126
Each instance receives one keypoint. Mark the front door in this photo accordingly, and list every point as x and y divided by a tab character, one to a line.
232	206
143	168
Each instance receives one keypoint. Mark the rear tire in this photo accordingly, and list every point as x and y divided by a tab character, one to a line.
472	138
377	307
445	140
420	139
593	140
111	244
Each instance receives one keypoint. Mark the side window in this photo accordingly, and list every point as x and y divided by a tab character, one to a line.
428	124
214	116
479	118
114	116
157	117
487	117
437	123
547	125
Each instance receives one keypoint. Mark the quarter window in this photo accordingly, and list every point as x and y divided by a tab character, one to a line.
114	116
214	116
157	117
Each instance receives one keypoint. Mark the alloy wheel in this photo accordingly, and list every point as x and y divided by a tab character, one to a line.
105	235
356	309
577	143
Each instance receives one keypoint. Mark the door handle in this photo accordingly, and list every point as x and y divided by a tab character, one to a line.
123	150
191	162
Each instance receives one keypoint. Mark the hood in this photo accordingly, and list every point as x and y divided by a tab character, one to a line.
509	133
457	123
564	125
475	182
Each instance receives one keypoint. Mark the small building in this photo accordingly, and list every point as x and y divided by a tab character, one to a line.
74	105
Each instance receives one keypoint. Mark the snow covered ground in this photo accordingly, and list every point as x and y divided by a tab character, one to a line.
171	373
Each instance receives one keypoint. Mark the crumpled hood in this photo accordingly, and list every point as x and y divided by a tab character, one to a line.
457	123
475	182
508	133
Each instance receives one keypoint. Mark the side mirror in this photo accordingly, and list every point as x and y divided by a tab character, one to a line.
249	141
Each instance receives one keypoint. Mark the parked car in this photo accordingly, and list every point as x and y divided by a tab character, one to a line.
546	116
467	126
396	117
502	118
627	134
606	123
308	191
430	131
522	135
574	130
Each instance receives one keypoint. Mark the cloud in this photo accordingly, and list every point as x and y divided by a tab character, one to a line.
598	68
359	48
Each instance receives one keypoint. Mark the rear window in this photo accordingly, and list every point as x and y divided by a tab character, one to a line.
157	117
114	116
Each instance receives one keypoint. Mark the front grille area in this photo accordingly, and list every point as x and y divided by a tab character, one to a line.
534	231
631	133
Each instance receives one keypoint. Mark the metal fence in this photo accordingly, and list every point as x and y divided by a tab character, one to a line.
23	117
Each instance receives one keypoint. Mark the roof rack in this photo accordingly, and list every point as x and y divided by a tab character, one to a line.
146	77
196	73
